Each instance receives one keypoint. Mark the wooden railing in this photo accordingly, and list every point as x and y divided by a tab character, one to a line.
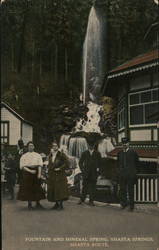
146	189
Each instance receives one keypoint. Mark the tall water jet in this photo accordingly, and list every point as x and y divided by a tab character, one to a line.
94	54
94	68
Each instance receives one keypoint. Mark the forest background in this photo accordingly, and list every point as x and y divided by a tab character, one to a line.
41	55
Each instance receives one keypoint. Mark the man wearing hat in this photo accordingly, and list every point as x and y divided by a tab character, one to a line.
127	164
89	164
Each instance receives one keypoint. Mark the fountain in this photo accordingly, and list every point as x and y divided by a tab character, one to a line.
77	145
94	53
73	146
105	146
91	125
64	140
94	67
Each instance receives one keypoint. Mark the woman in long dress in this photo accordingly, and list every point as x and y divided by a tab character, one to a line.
57	181
30	187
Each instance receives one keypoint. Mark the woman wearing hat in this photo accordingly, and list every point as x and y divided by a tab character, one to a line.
57	182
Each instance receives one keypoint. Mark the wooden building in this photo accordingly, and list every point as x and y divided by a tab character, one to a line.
135	86
14	126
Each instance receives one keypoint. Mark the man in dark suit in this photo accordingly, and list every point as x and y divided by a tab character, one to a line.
127	163
89	164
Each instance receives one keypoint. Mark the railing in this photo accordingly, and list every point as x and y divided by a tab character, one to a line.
146	189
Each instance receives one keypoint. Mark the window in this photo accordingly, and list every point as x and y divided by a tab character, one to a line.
151	111
155	95
155	79
134	99
121	114
144	107
145	96
135	117
4	132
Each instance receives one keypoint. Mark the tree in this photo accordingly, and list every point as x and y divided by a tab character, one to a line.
42	42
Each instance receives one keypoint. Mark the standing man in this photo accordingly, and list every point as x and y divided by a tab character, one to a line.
30	187
127	164
20	144
89	164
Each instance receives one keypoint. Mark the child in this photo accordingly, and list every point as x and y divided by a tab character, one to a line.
44	172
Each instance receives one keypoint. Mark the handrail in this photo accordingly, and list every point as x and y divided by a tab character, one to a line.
147	175
146	188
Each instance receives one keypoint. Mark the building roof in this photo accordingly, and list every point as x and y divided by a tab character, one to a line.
141	62
151	30
142	152
3	104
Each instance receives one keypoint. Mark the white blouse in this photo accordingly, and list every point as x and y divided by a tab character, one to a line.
31	159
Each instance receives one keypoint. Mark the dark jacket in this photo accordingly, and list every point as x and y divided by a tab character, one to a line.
128	166
89	164
10	173
57	181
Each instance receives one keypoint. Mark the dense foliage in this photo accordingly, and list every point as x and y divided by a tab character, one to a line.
42	43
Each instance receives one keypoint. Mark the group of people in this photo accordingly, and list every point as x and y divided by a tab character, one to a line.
31	164
90	163
10	173
30	185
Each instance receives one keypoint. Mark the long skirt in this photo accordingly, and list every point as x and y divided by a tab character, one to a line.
30	188
57	188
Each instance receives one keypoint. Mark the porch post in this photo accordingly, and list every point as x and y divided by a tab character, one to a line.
158	181
158	166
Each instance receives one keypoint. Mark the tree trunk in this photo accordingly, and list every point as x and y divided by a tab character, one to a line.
25	60
40	67
56	63
120	47
52	62
32	64
12	57
22	42
66	65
